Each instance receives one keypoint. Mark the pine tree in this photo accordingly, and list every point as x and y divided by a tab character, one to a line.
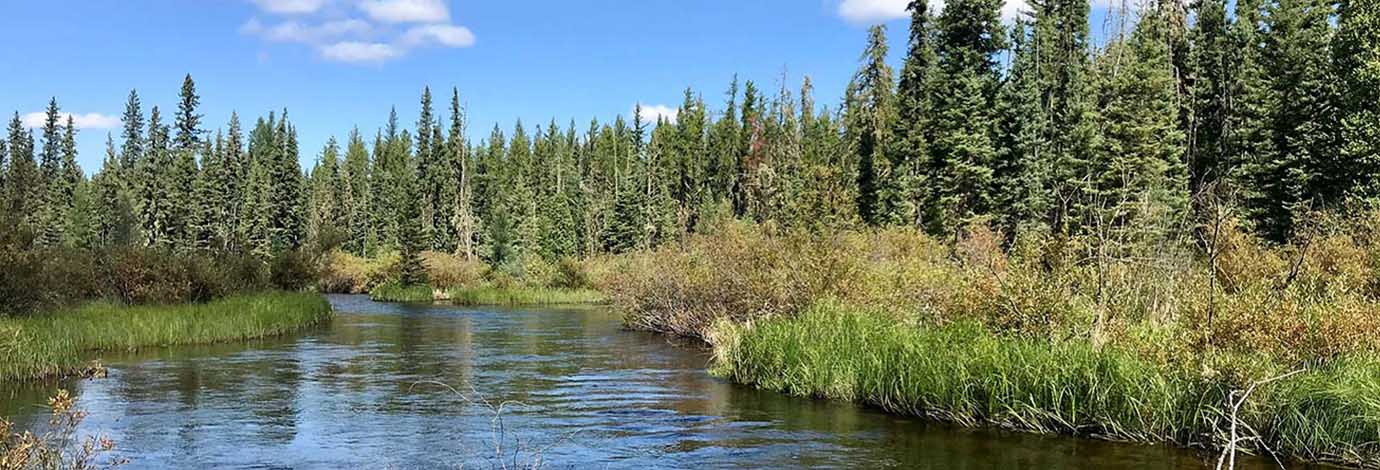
287	222
869	120
254	217
187	121
429	171
234	172
208	206
327	220
411	241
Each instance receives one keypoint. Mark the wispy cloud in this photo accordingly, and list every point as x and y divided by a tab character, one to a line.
36	120
290	7
360	52
359	31
295	31
878	11
440	34
653	112
406	11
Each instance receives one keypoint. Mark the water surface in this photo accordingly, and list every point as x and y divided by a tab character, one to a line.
575	390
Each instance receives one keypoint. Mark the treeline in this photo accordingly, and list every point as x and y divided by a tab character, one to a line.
1271	106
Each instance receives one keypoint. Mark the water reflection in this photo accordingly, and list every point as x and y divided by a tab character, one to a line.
356	394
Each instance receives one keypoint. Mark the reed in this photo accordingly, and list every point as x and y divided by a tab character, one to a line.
56	343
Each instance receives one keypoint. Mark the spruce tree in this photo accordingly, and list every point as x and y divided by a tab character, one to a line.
908	188
24	182
187	121
1212	68
969	36
1357	56
1062	52
356	199
870	118
1140	159
53	205
464	220
1021	174
71	176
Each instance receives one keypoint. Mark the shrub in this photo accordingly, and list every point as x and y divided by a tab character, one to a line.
445	270
293	270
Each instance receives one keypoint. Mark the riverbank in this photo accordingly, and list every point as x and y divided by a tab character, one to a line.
1048	335
514	296
53	344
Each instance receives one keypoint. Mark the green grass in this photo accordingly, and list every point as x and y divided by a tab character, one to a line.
523	296
53	344
964	374
394	292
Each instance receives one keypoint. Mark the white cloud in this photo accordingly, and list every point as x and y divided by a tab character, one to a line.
441	34
878	11
294	31
651	113
406	11
290	7
873	11
36	120
360	52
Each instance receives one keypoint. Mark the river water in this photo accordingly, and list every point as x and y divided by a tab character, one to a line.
422	386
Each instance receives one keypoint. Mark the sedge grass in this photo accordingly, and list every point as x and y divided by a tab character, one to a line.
53	344
965	374
486	295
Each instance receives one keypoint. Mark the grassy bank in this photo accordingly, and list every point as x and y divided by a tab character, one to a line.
964	374
53	344
1133	338
486	295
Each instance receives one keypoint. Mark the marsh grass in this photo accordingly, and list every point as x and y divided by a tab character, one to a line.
523	296
53	344
486	295
962	373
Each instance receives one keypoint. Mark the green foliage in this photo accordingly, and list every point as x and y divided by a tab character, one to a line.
53	344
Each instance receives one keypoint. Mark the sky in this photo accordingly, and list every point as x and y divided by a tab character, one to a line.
338	64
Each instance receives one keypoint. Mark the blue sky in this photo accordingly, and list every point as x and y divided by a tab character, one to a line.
336	64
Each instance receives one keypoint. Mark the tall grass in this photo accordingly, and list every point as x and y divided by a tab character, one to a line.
486	295
523	296
963	373
53	344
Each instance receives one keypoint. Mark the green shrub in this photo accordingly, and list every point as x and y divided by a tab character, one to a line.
293	271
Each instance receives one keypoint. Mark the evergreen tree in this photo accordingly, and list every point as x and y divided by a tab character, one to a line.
355	202
464	221
132	149
870	117
71	176
905	198
187	121
53	204
1061	47
24	184
111	214
1142	172
1212	68
969	34
1357	55
1020	175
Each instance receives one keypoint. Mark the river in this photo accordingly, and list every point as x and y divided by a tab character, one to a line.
417	386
